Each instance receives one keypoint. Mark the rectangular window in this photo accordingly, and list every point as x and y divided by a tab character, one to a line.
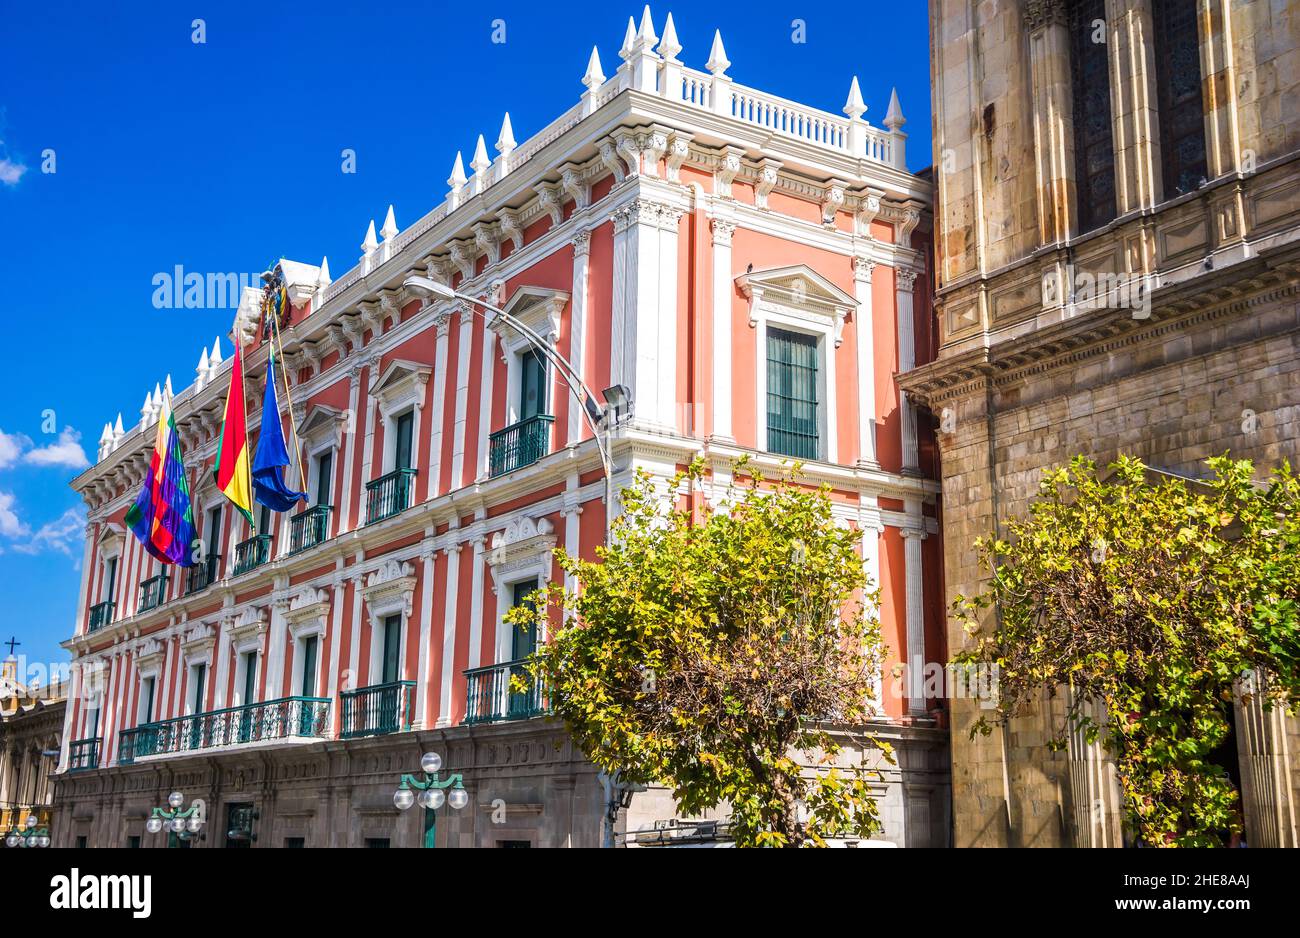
792	416
532	385
133	842
309	666
379	843
392	649
264	521
324	467
295	843
1178	85
402	453
1094	139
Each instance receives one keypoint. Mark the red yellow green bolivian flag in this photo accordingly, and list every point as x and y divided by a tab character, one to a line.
232	469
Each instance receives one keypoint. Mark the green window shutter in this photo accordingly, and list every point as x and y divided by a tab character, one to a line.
792	394
405	423
532	385
522	642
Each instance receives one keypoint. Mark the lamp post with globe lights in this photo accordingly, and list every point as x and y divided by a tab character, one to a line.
29	836
183	823
432	793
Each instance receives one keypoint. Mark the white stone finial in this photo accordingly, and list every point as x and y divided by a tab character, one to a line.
215	358
389	230
855	107
629	39
718	62
595	77
894	119
645	36
147	407
167	387
323	278
480	163
118	430
157	397
668	45
506	139
457	177
370	242
201	372
105	441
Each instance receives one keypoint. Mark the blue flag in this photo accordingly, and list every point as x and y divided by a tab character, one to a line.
268	479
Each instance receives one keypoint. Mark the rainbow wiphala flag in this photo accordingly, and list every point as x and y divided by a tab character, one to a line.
162	516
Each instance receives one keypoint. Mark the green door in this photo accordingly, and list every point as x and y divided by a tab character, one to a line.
250	687
308	685
532	385
523	642
196	718
402	452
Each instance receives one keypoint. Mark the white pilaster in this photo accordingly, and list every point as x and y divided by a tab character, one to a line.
439	414
452	554
426	635
863	326
578	325
476	607
462	395
723	228
486	381
915	598
906	280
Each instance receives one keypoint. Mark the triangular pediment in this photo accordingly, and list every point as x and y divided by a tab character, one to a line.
797	283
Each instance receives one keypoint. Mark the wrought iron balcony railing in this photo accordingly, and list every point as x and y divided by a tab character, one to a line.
83	754
490	699
520	444
252	553
101	614
390	494
153	592
285	718
309	528
204	573
377	710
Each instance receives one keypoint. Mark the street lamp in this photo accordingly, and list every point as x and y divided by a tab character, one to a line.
184	824
29	836
618	399
433	794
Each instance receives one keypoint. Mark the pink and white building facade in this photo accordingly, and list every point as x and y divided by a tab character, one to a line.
753	271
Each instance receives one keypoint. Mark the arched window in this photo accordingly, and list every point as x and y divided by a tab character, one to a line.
1178	85
1094	140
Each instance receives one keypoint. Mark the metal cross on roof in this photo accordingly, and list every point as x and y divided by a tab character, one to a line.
12	643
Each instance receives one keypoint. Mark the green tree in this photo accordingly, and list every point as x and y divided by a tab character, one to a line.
1151	596
714	651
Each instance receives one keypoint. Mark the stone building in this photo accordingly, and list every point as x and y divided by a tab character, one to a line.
1118	247
739	266
31	725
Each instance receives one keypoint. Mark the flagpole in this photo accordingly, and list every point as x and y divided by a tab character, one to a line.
288	397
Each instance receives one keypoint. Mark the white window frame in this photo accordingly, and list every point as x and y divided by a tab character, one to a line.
819	310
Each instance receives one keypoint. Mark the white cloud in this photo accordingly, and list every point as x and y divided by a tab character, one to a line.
66	452
62	534
11	172
10	524
11	447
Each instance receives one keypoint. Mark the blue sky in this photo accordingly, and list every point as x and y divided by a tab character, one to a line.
225	155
